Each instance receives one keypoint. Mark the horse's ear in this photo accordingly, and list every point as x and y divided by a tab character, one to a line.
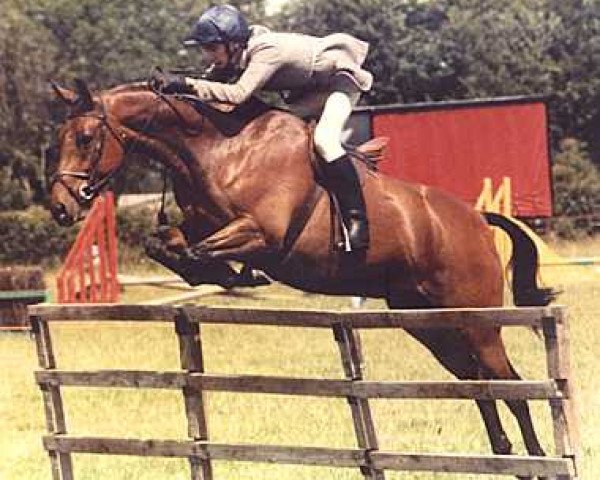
67	96
85	102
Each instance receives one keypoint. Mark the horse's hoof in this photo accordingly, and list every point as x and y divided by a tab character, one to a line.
252	279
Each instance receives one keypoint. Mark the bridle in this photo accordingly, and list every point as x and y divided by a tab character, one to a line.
94	180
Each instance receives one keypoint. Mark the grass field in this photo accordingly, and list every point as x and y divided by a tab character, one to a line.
412	426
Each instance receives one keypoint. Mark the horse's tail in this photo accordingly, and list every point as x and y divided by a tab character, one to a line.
525	263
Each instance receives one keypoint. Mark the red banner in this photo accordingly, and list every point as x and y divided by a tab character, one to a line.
456	148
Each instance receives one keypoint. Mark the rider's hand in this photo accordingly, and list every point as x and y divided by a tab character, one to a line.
169	83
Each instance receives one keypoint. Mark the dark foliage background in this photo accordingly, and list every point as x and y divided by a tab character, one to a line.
420	51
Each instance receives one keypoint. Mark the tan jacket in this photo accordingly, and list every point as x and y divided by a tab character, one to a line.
291	62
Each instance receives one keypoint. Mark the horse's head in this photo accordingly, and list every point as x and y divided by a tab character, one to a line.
90	150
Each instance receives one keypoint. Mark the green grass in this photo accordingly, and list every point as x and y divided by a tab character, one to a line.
412	426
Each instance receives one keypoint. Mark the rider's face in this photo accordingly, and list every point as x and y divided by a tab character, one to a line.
215	53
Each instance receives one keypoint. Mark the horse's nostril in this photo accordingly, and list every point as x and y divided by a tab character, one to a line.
60	214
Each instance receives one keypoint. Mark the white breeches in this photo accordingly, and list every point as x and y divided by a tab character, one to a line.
328	132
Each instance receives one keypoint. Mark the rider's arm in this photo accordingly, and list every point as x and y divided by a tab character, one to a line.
264	62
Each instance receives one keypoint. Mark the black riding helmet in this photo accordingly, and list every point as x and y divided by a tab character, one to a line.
219	24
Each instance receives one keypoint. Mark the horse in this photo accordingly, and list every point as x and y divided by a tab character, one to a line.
252	196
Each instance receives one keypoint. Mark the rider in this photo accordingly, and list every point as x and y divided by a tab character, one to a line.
321	77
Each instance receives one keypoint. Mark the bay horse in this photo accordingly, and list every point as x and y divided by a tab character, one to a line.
243	197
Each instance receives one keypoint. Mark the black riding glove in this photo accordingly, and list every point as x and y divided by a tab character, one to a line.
169	83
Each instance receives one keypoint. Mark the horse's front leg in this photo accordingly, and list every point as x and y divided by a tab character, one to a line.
242	240
169	248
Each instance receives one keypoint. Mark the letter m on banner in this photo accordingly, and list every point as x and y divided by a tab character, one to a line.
89	274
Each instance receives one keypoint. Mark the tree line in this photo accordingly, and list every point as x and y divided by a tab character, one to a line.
420	51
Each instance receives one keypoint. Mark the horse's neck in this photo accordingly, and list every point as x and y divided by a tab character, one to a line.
216	167
156	132
143	109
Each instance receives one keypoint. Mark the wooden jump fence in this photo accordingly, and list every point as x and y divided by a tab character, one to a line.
193	381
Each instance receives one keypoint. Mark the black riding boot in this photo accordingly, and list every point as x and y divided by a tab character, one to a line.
342	180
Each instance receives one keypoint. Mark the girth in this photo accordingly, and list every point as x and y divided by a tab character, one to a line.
367	154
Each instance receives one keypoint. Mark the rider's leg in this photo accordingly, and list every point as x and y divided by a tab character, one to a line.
341	176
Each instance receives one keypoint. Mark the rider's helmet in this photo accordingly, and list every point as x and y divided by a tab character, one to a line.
219	24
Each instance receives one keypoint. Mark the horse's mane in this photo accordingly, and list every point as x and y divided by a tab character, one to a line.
226	119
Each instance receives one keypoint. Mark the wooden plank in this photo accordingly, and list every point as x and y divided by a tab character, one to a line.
261	316
471	389
111	312
114	378
432	318
332	457
468	389
327	457
300	455
479	464
133	280
447	317
556	371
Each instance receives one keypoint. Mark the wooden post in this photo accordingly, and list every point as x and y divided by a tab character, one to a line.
190	351
563	411
62	467
364	428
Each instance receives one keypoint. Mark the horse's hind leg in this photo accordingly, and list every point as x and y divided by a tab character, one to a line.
451	348
492	355
454	350
495	364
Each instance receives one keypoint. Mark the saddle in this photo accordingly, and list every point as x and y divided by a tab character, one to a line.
373	150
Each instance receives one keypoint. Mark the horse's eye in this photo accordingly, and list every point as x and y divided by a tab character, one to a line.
82	140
